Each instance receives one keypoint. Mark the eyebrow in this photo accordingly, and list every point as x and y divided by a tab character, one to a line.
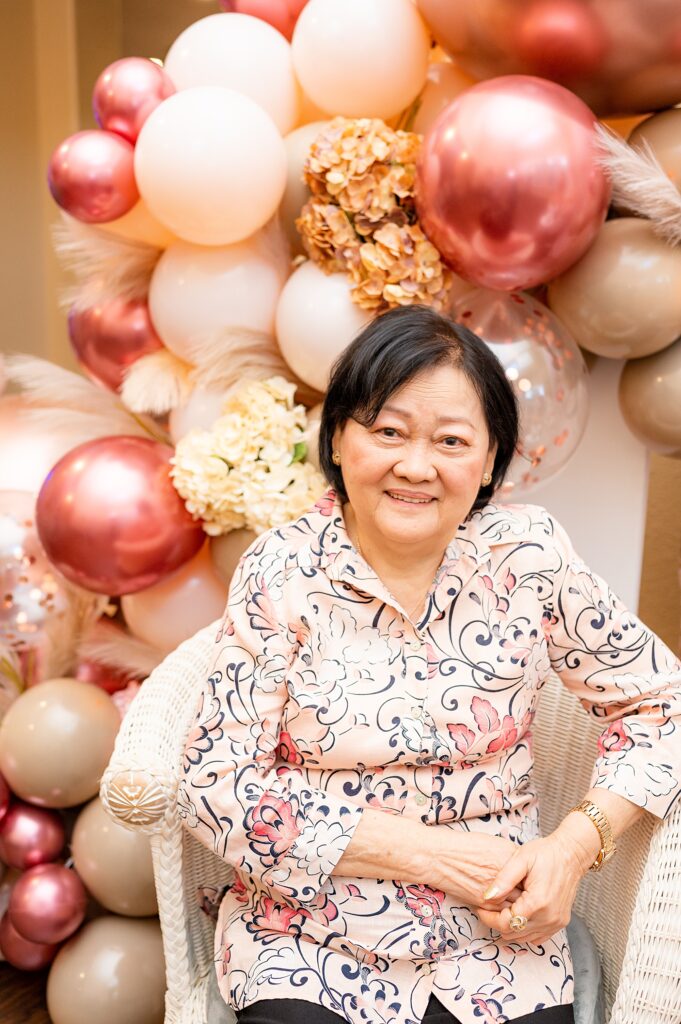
441	419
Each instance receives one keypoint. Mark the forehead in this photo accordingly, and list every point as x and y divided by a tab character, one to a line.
438	391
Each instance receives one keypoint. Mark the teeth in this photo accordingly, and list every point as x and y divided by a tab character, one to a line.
413	501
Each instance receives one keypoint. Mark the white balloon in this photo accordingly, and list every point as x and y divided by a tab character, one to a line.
316	320
242	53
297	192
360	58
210	165
198	291
182	603
28	451
201	410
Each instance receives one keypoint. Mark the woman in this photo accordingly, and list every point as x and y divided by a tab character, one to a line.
361	753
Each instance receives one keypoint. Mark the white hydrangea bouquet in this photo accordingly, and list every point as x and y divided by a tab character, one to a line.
249	469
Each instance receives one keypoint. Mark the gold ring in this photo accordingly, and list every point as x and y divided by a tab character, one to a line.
518	922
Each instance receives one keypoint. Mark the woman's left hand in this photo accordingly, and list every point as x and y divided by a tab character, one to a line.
548	871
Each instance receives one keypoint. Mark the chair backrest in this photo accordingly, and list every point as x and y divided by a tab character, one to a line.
565	748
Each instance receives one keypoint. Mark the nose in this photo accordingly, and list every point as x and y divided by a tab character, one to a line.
415	464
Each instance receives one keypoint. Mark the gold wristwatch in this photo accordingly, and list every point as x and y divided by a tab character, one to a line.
602	825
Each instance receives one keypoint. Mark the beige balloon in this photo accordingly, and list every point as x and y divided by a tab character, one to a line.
112	972
227	549
650	399
623	298
139	225
297	193
182	603
662	132
114	862
56	740
444	83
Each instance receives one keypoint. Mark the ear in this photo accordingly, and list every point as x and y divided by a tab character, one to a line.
491	456
336	439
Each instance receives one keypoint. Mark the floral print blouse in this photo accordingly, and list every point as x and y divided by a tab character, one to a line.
325	698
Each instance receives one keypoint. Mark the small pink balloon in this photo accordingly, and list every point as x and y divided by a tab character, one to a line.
509	187
126	92
281	14
5	796
107	678
91	176
47	903
30	835
110	337
560	39
110	518
24	955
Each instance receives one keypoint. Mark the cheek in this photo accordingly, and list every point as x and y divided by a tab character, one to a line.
366	465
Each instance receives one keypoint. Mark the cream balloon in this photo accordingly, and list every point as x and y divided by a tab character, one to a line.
227	549
200	411
112	970
445	81
27	451
238	52
316	320
361	59
114	862
174	609
297	192
138	225
197	292
650	399
622	299
662	133
211	165
56	740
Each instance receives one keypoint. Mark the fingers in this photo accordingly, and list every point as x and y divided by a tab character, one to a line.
510	877
538	929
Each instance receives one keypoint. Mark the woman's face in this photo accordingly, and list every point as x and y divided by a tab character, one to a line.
413	475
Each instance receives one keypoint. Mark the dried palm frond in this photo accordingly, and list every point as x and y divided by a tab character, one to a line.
109	645
106	267
12	681
63	635
640	185
71	406
157	383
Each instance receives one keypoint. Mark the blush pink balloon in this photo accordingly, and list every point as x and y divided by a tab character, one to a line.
30	835
509	187
281	14
110	519
47	903
5	797
91	176
24	955
126	92
104	676
110	337
560	39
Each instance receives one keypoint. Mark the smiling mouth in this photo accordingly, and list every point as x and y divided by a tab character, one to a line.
409	500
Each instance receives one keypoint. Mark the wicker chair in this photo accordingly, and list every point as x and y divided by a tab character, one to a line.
632	908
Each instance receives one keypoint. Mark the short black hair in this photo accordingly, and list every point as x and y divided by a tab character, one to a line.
391	350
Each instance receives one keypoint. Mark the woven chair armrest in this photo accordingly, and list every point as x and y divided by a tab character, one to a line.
139	783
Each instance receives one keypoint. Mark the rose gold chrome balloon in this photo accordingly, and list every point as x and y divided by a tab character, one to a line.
110	337
47	903
91	176
30	835
105	677
110	519
24	955
126	92
281	14
619	56
5	796
509	187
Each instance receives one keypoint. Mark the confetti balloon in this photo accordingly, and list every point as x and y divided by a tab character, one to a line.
547	372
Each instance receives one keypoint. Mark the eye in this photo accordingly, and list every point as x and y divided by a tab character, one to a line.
452	442
388	431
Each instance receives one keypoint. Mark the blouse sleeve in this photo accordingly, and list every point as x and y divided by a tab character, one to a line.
263	819
624	675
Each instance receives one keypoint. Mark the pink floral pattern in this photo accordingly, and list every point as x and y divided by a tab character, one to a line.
325	698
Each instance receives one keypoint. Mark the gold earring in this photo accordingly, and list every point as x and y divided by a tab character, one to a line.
487	479
335	458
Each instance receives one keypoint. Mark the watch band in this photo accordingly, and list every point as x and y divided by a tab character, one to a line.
602	825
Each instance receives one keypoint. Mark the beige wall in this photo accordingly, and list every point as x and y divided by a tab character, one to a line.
51	52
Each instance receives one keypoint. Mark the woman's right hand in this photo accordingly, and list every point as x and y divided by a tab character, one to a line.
464	864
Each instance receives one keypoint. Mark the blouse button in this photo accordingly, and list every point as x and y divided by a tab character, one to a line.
415	645
420	798
417	712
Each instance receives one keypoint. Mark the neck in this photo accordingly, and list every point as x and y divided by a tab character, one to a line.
394	558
